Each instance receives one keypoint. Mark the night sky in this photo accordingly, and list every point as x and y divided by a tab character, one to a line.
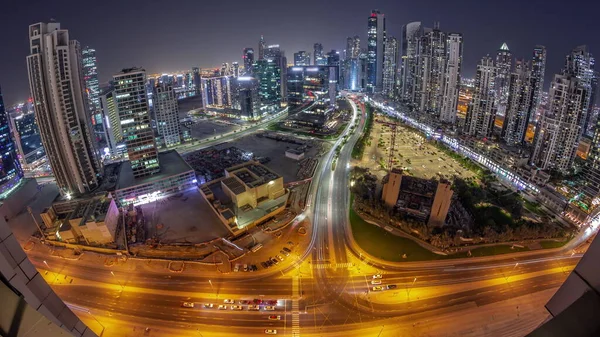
164	36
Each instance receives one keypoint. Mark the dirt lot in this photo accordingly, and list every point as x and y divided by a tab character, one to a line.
412	152
183	218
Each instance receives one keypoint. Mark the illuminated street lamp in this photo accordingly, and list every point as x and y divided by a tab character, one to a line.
115	276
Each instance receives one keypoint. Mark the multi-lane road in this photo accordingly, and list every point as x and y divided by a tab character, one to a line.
328	292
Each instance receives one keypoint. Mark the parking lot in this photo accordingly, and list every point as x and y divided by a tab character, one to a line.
183	218
412	152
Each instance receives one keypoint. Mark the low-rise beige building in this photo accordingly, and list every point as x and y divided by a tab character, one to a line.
248	194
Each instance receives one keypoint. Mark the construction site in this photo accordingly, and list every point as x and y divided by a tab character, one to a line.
394	145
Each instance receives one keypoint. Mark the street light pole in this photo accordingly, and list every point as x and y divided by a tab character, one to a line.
410	288
115	276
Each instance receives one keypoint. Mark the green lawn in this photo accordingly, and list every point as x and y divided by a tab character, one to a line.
379	243
552	244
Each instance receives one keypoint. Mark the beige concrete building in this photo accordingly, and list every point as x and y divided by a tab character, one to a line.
425	200
249	194
91	221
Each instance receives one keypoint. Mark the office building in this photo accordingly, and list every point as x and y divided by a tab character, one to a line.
318	56
481	112
351	74
90	77
217	92
503	73
166	111
559	130
248	57
112	124
247	195
262	45
454	51
196	75
248	97
268	74
26	135
132	105
311	84
61	108
580	63
301	58
274	53
518	105
390	67
235	69
10	168
375	48
538	71
423	199
411	35
352	47
431	71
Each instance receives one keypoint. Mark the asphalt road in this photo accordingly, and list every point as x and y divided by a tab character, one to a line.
329	293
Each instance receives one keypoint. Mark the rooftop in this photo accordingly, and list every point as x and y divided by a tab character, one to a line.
171	164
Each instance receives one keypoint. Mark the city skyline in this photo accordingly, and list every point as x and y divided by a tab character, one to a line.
173	51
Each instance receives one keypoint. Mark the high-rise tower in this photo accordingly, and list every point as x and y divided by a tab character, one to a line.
411	34
538	70
390	67
503	69
90	77
262	45
375	50
454	51
132	104
61	107
248	57
166	110
10	169
481	112
518	105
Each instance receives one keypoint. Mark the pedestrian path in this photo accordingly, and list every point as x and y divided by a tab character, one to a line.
295	307
333	265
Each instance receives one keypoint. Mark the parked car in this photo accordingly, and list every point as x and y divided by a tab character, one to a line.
275	261
187	304
264	265
236	307
287	249
269	308
222	307
275	317
208	305
280	257
284	252
236	268
377	288
228	301
376	281
377	276
392	286
270	331
245	267
254	307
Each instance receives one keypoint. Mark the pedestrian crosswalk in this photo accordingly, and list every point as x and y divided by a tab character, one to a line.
295	307
333	265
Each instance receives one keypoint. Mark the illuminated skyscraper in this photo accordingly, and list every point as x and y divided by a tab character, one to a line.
301	58
538	70
112	124
375	49
454	50
217	92
268	74
274	53
431	71
61	107
132	104
10	169
481	112
318	56
235	69
580	63
262	45
248	97
558	132
390	67
503	69
90	77
518	105
248	61
166	110
411	35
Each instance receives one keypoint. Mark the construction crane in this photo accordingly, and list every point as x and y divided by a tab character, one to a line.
394	128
